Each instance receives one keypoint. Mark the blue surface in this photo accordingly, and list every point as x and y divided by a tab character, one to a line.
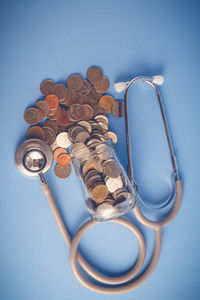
52	39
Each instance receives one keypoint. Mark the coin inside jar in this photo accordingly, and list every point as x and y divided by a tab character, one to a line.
99	193
112	169
113	184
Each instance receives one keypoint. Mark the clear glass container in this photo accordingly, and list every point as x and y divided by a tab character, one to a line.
107	189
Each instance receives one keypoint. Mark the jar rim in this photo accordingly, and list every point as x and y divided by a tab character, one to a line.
75	154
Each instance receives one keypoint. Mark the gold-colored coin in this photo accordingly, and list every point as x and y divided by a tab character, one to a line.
99	193
36	132
107	102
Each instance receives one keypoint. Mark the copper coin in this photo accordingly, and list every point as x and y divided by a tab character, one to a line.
50	135
53	101
67	100
43	106
94	74
63	159
102	86
76	98
98	109
99	193
36	132
62	172
74	82
88	112
52	124
86	100
63	119
75	112
32	116
94	95
56	114
107	101
85	90
112	169
60	91
58	151
46	86
41	114
118	109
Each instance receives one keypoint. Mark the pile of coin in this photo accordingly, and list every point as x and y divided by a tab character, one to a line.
74	113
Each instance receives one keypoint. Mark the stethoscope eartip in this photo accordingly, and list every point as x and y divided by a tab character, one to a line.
120	86
158	79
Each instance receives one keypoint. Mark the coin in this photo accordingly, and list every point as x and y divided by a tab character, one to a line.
41	114
63	118
85	125
76	98
88	112
80	151
85	90
107	101
101	86
63	159
75	112
36	132
62	140
74	82
58	151
46	86
113	183
68	96
112	169
118	109
82	136
52	124
55	115
32	116
50	135
97	108
111	135
94	74
99	193
43	106
53	101
86	99
94	95
106	209
60	91
62	171
54	146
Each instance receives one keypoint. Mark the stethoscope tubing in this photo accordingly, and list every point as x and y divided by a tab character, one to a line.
75	256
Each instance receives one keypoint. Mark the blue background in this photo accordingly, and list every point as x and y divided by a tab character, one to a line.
52	39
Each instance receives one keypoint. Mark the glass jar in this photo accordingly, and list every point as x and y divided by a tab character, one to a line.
107	189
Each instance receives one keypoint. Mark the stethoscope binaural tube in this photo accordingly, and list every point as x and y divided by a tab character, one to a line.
75	256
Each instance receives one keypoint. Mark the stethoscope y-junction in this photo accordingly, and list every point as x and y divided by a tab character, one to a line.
34	158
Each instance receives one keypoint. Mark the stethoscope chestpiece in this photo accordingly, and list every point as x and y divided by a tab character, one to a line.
33	157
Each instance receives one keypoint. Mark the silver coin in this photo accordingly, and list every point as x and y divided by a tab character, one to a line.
113	184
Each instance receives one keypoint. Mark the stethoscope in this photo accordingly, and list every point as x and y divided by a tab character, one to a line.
34	158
